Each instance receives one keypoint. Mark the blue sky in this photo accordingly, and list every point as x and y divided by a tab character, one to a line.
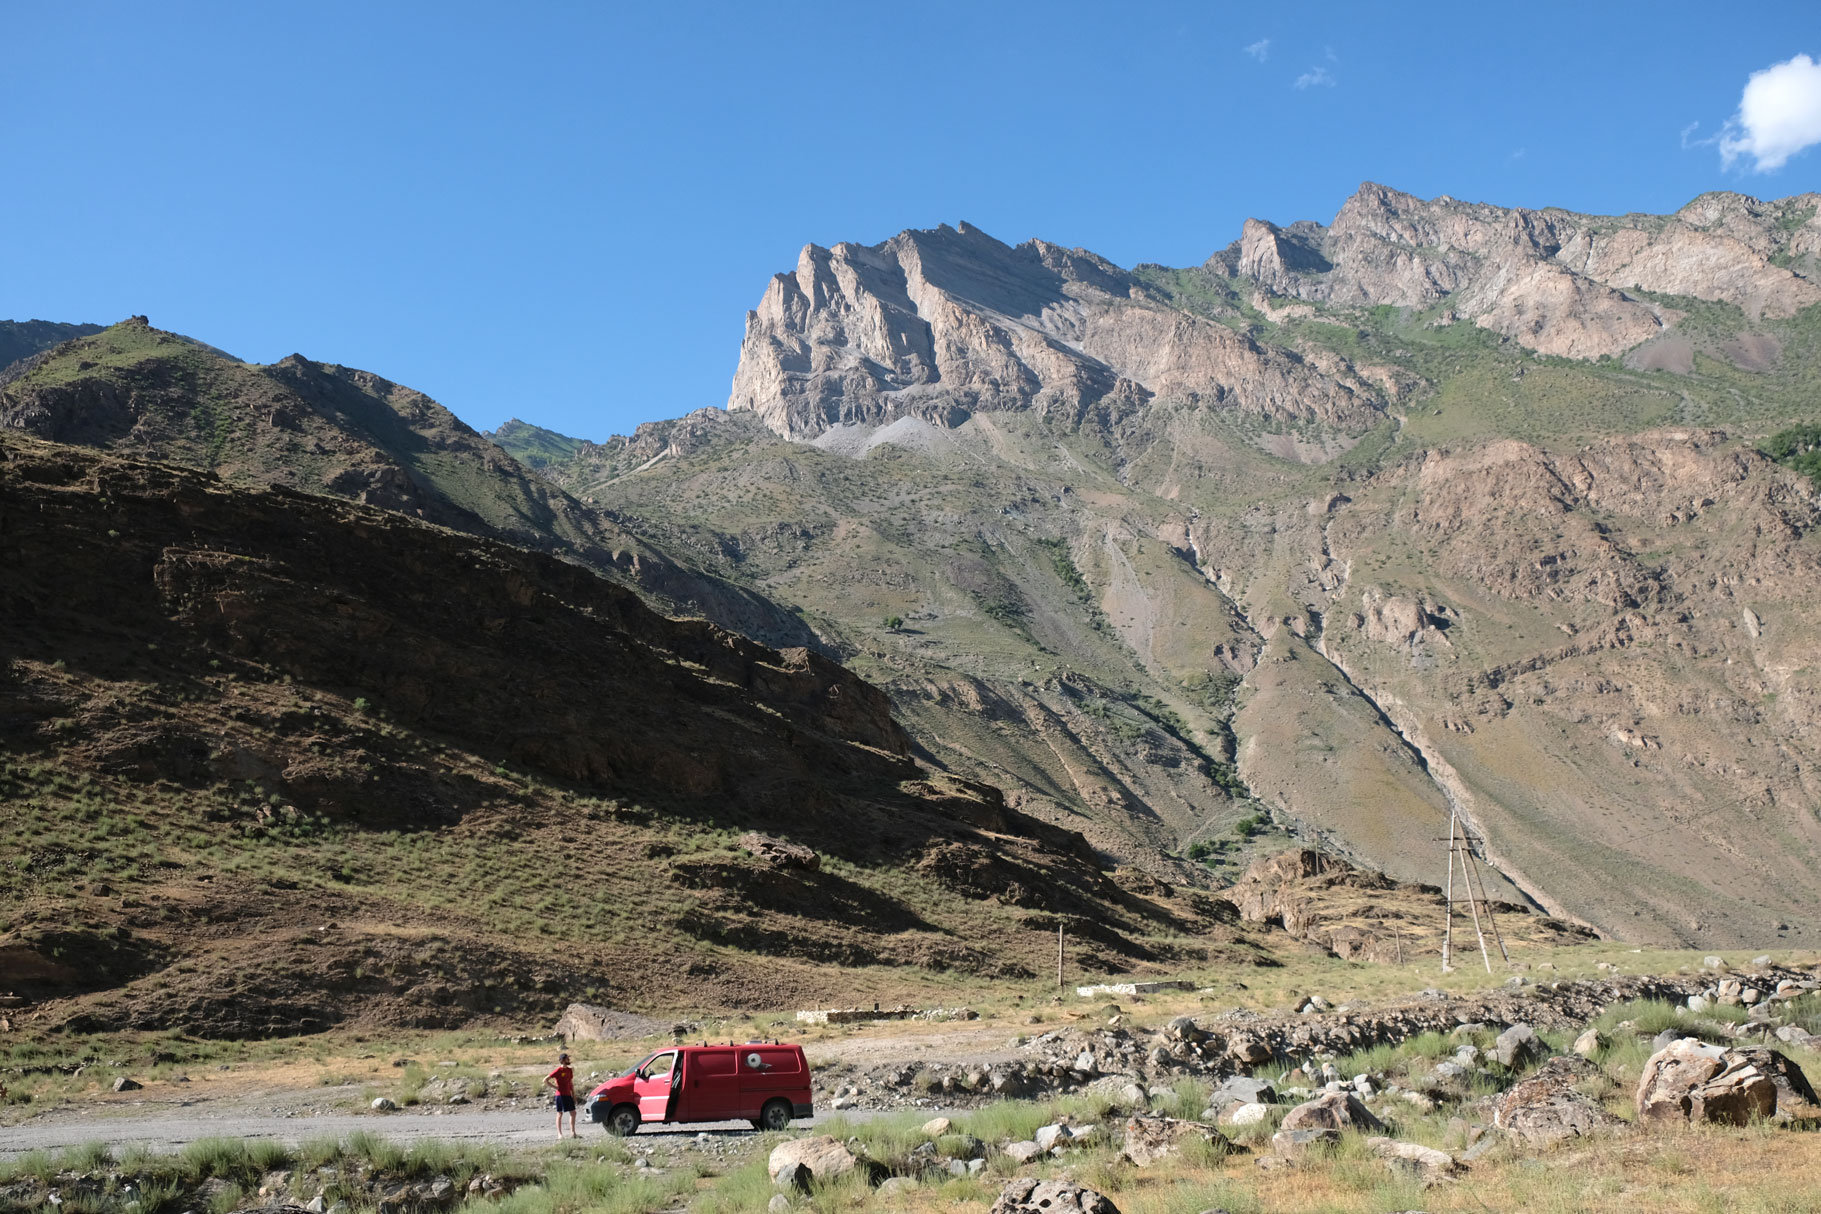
562	212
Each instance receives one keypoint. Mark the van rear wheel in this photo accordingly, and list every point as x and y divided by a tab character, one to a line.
775	1115
623	1121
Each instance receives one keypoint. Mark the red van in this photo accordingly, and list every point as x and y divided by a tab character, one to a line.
764	1083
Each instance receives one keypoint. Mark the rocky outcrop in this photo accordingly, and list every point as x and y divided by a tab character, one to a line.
1359	914
1149	1139
1029	1196
937	324
781	853
1555	281
1547	1108
1415	1159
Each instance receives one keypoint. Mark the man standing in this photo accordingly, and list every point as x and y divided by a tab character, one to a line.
563	1080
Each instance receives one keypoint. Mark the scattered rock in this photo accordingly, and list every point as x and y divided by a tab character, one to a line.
779	1203
1589	1043
1293	1144
1248	1050
1246	1114
123	1084
1332	1110
1426	1162
936	1127
383	1104
1243	1089
1184	1028
1519	1046
895	1185
1149	1139
1023	1152
1028	1196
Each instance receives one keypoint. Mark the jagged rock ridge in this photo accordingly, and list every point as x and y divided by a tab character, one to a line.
1559	282
937	324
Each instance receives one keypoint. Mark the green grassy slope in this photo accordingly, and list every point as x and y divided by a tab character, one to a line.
532	445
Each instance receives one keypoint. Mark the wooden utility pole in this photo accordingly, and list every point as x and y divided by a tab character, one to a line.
1460	850
1058	954
1491	920
1448	923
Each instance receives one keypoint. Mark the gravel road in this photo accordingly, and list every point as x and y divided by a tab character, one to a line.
165	1131
166	1117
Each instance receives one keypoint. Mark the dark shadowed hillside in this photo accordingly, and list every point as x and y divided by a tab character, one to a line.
271	761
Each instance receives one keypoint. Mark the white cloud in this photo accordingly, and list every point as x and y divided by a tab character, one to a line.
1313	77
1258	50
1779	115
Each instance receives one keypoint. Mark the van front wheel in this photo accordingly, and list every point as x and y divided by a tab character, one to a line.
623	1121
775	1115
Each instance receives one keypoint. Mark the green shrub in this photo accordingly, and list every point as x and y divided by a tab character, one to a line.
1798	447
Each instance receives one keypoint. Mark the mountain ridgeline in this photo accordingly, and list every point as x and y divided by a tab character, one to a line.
1439	509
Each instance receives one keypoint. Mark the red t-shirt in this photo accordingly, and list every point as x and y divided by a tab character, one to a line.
565	1080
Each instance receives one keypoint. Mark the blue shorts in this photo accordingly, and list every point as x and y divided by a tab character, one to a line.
565	1104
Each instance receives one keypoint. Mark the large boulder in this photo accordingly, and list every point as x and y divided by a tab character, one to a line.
1149	1139
1690	1081
1796	1099
1027	1196
823	1155
1546	1108
1332	1111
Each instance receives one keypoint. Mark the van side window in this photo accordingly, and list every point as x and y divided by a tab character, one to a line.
660	1066
718	1062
